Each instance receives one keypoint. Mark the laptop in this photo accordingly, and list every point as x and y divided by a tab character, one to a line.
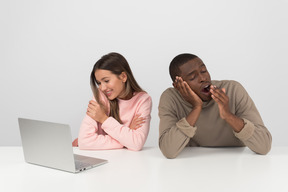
50	145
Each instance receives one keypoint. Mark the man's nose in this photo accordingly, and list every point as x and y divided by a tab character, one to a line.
202	77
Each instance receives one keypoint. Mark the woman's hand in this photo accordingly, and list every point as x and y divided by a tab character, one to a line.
137	122
75	143
96	112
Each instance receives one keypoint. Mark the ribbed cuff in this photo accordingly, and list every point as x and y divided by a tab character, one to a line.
110	124
247	131
186	128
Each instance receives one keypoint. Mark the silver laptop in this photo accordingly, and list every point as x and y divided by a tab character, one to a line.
50	145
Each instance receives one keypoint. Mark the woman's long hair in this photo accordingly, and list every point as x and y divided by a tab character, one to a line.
117	64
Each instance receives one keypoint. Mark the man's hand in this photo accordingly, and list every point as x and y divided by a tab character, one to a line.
220	97
190	96
96	112
187	93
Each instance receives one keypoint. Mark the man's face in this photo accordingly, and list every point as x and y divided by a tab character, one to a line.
195	73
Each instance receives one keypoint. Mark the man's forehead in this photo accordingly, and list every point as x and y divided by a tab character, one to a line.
191	66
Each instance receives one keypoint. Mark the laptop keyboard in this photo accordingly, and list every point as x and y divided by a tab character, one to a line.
80	164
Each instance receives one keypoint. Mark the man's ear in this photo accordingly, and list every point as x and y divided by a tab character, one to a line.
123	77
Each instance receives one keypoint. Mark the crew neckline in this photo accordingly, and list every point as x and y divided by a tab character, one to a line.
126	100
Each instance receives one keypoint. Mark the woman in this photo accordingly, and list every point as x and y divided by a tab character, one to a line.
119	114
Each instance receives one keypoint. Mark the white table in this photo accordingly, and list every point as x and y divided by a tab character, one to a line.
195	169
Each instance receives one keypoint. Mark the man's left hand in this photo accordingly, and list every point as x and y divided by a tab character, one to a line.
220	97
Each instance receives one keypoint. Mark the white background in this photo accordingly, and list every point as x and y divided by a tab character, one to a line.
48	49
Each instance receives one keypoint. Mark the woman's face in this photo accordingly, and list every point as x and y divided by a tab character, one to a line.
113	86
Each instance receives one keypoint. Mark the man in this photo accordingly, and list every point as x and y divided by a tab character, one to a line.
201	112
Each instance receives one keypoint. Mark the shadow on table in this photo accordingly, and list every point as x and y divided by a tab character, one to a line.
191	152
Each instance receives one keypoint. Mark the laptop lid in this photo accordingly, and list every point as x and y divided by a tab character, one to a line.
49	144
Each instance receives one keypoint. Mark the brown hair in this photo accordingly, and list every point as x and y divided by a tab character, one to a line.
117	64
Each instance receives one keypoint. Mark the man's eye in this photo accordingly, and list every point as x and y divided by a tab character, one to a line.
192	78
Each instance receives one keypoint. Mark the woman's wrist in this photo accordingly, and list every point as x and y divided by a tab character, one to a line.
103	119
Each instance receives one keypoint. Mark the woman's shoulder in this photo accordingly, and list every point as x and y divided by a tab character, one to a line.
141	96
138	99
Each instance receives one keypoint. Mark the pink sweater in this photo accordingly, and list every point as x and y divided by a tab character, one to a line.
113	135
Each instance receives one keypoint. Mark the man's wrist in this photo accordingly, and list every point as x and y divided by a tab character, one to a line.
235	122
193	116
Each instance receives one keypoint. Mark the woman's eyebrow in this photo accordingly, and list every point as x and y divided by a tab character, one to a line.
104	78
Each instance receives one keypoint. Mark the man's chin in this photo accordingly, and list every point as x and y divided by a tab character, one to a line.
206	99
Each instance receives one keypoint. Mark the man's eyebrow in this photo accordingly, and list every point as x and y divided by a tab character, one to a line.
191	73
202	65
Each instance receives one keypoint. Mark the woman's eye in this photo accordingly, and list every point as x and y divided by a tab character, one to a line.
106	81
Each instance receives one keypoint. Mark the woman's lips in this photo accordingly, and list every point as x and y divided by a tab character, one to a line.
108	93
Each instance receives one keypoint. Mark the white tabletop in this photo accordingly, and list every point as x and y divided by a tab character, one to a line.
195	169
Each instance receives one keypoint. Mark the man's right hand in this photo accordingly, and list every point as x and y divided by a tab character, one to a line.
190	96
187	93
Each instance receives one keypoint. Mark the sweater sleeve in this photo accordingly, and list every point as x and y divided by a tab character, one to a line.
254	134
92	137
89	138
132	139
174	134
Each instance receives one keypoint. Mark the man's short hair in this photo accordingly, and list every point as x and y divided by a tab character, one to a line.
177	62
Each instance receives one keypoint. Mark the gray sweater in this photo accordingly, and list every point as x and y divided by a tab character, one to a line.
210	130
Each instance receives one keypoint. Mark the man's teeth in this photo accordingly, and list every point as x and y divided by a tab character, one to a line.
207	88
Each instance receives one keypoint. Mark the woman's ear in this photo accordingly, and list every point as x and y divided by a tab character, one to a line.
123	77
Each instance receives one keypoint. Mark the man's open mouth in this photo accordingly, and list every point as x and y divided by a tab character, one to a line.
206	89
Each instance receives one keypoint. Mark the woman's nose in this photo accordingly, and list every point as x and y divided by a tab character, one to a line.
102	87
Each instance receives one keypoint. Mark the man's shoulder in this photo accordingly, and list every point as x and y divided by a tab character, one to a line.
233	88
170	94
227	84
169	90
